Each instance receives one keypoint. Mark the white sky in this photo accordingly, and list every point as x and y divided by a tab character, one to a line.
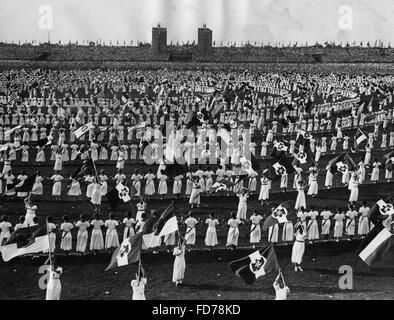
230	20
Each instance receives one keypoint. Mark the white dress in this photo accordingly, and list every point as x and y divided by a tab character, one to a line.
255	231
82	237
233	232
298	250
313	229
273	233
242	206
96	194
96	240
338	228
211	238
54	286
264	191
190	235
66	243
57	185
139	289
326	222
111	236
288	232
363	222
300	202
179	264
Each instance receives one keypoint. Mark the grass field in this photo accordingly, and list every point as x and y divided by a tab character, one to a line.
207	277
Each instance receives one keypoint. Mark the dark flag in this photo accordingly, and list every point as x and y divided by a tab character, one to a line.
128	252
279	150
87	167
282	167
28	184
173	170
113	198
256	265
167	222
375	245
278	216
24	241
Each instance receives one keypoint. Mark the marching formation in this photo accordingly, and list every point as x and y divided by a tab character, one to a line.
132	136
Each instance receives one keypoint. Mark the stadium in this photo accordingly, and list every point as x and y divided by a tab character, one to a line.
75	117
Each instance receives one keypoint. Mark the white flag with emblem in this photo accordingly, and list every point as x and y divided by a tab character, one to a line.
385	209
122	257
124	192
82	130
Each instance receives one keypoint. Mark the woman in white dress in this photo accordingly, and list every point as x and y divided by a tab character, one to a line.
353	187
82	236
329	178
5	228
54	286
51	233
300	201
363	222
136	180
255	229
104	184
129	224
177	187
66	227
75	189
9	181
89	181
361	171
149	183
265	189
367	158
338	228
141	206
138	286
58	161
233	231
350	227
211	239
111	236
179	263
375	171
298	250
313	228
38	189
273	231
242	204
195	195
253	182
97	240
288	231
189	184
57	185
96	194
313	186
190	235
326	223
162	188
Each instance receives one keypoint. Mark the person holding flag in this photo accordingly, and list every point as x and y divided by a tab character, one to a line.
281	290
54	286
138	285
179	262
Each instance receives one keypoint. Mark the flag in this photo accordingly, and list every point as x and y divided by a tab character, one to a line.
128	252
279	169
45	142
173	170
222	184
123	192
375	244
83	129
278	216
279	150
27	185
303	139
8	132
113	198
361	109
256	265
167	222
24	241
99	95
334	163
360	137
86	168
